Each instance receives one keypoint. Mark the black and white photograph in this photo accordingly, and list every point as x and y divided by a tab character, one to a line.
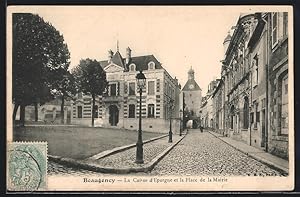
141	98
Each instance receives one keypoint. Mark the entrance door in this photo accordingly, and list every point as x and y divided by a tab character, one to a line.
113	115
263	129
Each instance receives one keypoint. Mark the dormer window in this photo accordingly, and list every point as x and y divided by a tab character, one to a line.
132	67
151	66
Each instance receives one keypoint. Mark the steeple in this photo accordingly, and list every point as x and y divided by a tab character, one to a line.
191	73
117	45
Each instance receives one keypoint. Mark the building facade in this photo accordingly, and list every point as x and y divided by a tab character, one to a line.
218	108
119	107
208	118
48	113
253	91
278	84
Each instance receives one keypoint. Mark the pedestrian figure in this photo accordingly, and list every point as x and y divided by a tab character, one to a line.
200	127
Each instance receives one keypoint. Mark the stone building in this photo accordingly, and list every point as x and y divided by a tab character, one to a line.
192	94
120	106
207	107
48	112
218	108
254	82
278	86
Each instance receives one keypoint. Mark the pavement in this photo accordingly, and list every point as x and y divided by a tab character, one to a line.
196	153
121	160
256	153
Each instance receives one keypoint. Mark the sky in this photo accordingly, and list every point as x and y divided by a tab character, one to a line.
179	37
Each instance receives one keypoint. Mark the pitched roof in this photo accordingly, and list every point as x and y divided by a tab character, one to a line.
188	83
141	62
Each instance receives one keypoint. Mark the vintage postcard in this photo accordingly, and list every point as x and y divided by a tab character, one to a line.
150	98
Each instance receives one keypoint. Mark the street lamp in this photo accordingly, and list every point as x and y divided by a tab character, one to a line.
180	116
170	131
141	81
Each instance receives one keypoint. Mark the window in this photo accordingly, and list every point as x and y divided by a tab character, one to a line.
274	28
232	116
151	66
255	67
132	67
131	88
285	24
79	111
131	111
284	106
151	111
252	117
256	116
96	111
150	87
246	113
113	90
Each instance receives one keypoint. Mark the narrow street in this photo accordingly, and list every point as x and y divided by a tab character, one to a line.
203	154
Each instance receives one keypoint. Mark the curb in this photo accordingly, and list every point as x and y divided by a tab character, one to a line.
282	170
83	164
120	149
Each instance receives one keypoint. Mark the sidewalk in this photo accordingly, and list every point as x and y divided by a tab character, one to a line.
260	155
121	160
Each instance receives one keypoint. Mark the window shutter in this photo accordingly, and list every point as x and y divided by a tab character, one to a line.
118	89
125	88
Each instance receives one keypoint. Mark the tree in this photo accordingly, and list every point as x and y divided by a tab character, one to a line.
39	54
65	88
90	79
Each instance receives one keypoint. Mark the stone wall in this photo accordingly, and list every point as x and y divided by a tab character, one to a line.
157	125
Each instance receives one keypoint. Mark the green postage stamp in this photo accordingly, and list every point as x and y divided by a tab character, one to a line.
27	166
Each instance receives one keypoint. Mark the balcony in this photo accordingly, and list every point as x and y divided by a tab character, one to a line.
112	99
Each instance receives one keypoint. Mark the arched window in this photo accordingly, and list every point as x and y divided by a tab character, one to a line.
132	67
246	113
231	116
151	66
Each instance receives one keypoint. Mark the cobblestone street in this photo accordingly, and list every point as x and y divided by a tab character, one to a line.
197	154
204	154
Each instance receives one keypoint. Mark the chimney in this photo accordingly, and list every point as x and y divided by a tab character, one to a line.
110	55
176	80
128	55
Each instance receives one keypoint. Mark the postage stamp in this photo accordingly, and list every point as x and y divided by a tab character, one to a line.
27	166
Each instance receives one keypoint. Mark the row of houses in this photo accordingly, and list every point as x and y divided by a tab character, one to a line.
250	100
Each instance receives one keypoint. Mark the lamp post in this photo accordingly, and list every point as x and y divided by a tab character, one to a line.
170	131
180	116
141	80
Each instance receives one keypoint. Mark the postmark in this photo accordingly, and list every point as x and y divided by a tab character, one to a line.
27	166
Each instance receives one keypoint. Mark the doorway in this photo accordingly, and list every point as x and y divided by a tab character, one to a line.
263	129
113	115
